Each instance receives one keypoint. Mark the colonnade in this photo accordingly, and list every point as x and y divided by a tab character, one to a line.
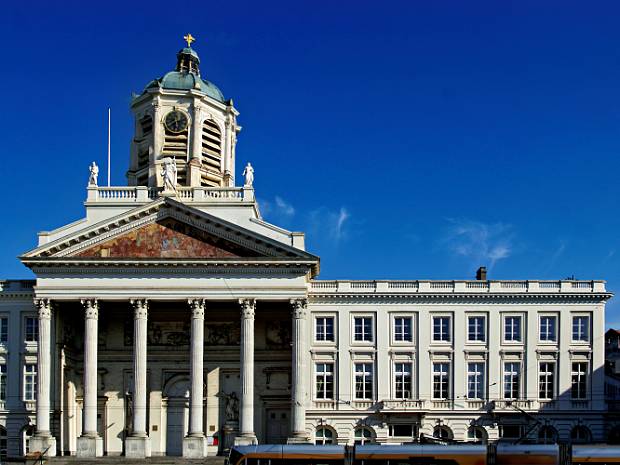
137	444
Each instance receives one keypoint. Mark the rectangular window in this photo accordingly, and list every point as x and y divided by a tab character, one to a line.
363	381
325	328
441	380
581	328
30	381
363	328
402	381
512	329
512	380
441	328
32	329
546	380
324	380
548	329
579	380
476	329
475	380
402	329
404	430
3	382
4	330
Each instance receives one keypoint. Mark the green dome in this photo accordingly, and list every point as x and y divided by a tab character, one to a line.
187	77
178	80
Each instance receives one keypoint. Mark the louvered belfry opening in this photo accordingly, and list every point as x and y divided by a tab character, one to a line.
211	175
175	147
142	142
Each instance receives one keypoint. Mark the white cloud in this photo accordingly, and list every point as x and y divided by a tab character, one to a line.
484	243
278	208
284	207
330	223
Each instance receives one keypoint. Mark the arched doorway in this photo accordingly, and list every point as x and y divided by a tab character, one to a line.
364	435
176	393
27	433
580	435
477	434
442	432
547	435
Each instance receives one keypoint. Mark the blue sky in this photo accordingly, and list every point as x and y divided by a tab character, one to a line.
409	140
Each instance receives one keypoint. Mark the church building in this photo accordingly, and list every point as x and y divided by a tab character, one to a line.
173	320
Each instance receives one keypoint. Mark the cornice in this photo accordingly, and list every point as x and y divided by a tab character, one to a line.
525	298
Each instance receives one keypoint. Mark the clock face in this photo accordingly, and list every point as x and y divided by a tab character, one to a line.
176	121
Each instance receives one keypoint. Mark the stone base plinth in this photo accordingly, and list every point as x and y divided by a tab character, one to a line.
298	440
89	446
44	444
245	440
194	447
137	447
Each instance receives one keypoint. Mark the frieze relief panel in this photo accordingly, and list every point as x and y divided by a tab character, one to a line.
177	333
278	335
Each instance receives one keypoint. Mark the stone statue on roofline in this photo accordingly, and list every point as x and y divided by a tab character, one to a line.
169	175
248	172
94	174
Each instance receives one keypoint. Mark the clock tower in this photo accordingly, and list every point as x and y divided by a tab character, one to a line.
184	119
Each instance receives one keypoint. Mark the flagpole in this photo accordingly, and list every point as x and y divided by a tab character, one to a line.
109	117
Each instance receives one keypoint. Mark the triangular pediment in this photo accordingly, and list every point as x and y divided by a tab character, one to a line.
167	238
167	230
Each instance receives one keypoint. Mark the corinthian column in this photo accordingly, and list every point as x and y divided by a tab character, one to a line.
194	444
138	445
43	441
246	427
90	444
298	391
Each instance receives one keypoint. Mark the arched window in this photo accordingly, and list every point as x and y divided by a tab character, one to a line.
477	434
364	435
324	436
580	434
3	444
547	435
442	432
27	433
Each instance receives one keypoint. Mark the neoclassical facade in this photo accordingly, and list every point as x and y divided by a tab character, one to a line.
174	320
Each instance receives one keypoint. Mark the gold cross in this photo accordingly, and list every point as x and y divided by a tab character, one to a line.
189	39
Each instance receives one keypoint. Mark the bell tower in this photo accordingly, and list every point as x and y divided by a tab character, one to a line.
182	118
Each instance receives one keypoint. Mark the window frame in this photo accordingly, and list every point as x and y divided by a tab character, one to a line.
35	330
325	376
555	320
519	383
588	327
585	374
450	331
546	383
511	341
448	375
316	327
402	373
364	373
411	340
34	377
468	339
481	382
370	341
4	329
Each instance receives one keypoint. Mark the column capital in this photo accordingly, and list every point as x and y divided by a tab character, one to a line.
197	307
300	307
248	307
140	308
91	308
44	307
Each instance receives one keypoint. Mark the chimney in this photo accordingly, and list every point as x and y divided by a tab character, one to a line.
481	274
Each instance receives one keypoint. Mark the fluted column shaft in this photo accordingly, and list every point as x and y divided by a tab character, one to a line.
44	307
196	369
246	427
139	366
298	394
91	315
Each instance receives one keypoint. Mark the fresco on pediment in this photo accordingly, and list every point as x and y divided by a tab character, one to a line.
170	239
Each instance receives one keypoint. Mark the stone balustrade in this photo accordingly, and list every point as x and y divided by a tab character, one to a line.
457	287
143	194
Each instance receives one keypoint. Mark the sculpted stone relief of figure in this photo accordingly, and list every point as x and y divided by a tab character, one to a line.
278	335
177	333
